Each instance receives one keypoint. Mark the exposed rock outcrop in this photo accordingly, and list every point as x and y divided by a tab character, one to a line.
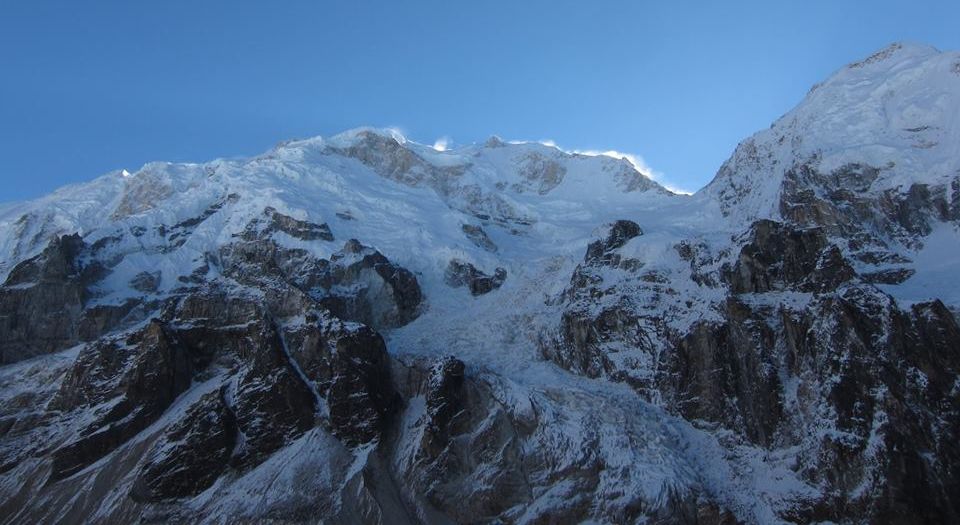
42	300
357	283
461	273
125	384
778	257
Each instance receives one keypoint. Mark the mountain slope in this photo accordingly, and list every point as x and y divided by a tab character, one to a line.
370	330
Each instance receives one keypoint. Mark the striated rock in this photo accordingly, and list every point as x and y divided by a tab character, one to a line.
585	333
271	403
727	373
465	443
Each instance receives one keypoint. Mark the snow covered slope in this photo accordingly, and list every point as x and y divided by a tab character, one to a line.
405	198
374	330
897	110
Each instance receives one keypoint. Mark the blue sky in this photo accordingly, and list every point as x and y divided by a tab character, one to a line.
87	87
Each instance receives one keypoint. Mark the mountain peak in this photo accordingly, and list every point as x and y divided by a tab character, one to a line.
895	52
897	110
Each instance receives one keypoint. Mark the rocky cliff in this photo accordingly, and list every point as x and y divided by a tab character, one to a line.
362	329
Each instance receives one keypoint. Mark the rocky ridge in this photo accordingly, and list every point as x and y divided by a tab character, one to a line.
368	330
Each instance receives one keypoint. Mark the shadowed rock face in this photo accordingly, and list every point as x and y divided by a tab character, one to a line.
242	342
125	385
389	295
602	251
864	390
777	257
192	454
41	302
360	396
44	303
444	401
460	273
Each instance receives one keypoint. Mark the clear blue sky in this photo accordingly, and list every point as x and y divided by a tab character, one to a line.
87	87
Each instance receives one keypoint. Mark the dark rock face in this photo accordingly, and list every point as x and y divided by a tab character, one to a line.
602	251
862	388
460	273
278	381
42	300
724	373
445	401
584	333
45	302
271	403
468	442
777	257
839	203
885	374
127	384
191	455
839	200
360	395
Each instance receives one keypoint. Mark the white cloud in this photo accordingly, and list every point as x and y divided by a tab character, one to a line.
397	134
636	160
442	143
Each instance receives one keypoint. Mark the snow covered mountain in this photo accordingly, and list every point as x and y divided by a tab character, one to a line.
363	329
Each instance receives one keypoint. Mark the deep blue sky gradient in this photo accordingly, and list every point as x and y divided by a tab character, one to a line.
87	87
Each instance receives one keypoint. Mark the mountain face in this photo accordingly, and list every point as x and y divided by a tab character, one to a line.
362	329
